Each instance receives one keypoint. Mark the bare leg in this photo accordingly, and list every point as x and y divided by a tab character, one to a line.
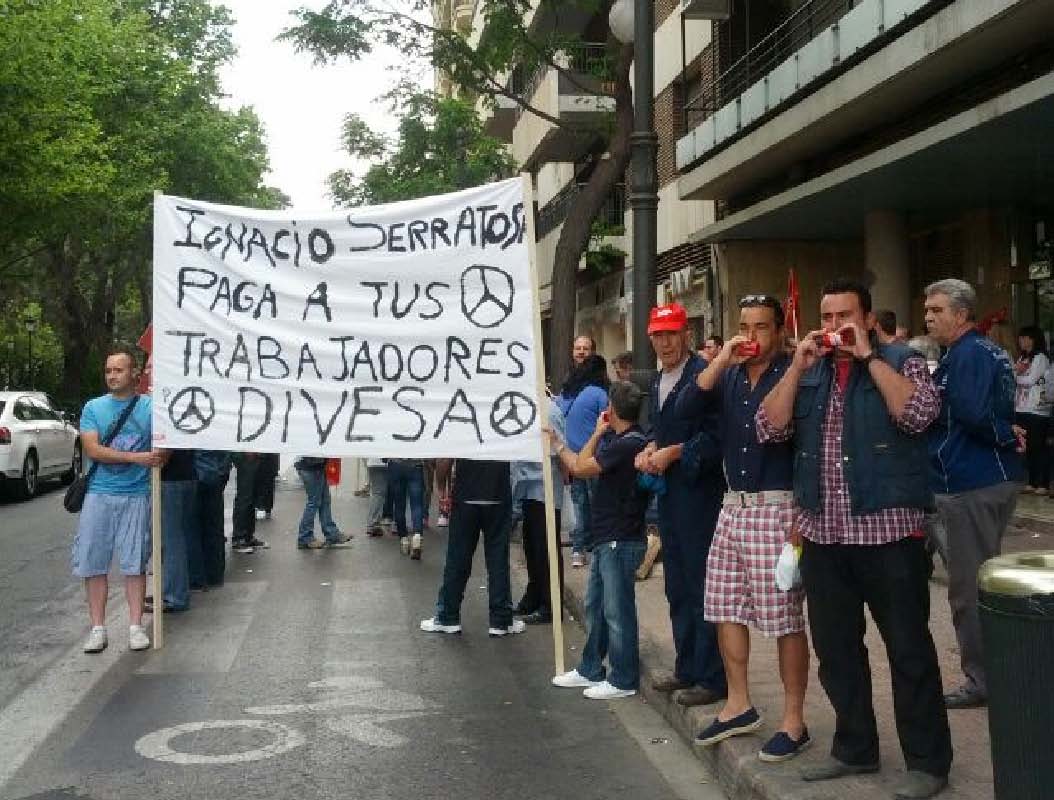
794	672
135	591
734	641
96	588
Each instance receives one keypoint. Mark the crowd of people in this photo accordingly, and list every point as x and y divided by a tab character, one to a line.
843	458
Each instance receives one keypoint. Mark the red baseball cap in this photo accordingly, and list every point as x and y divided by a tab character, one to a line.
670	317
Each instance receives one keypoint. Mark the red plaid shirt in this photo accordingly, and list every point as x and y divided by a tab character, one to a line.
835	523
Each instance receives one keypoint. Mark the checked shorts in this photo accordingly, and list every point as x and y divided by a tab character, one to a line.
741	570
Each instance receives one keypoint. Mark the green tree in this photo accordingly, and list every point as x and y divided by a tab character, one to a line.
440	147
354	28
105	102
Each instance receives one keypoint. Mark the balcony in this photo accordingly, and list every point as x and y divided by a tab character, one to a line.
834	70
577	96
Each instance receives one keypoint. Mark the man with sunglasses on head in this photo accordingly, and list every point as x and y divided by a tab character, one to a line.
756	521
856	411
686	452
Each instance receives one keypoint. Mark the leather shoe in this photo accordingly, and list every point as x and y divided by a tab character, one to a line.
699	696
670	684
831	768
965	697
917	785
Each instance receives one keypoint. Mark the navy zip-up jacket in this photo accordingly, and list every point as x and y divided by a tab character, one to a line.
971	442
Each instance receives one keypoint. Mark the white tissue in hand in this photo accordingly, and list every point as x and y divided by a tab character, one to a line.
787	574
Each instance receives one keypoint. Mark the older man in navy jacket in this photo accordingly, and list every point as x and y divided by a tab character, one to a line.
976	468
686	451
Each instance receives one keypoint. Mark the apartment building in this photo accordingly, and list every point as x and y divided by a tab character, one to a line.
900	141
560	161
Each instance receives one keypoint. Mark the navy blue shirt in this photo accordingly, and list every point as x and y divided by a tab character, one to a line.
749	465
617	505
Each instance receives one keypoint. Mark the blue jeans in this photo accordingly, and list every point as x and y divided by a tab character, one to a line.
581	497
467	521
407	480
178	521
318	503
611	615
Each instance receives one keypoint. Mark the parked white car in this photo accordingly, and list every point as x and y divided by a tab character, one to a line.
36	442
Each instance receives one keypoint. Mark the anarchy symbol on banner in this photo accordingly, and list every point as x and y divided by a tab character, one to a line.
186	410
486	295
512	413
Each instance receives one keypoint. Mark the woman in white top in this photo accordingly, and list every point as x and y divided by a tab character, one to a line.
1032	404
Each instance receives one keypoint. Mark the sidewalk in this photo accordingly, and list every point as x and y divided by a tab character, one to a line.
735	763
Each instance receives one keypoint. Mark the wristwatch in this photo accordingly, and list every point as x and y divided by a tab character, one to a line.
866	360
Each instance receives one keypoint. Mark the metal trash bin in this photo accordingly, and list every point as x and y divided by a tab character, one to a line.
1016	602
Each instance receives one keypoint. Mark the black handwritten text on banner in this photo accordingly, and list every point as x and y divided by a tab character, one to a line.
398	330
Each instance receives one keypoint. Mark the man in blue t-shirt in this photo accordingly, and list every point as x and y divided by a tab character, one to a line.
617	544
116	511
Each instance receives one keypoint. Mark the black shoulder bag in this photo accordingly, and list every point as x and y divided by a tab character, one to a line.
74	498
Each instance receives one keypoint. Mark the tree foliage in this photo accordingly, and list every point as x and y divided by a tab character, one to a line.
440	147
106	101
511	43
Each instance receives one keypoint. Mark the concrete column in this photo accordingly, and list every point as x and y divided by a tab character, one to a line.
887	254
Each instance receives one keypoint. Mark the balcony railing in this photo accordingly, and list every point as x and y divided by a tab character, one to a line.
797	30
585	59
552	215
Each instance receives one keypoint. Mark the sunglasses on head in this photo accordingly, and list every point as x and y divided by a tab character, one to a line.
758	300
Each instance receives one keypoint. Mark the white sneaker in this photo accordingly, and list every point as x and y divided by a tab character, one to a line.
443	521
573	680
415	547
137	638
261	514
431	626
517	626
404	545
96	640
605	691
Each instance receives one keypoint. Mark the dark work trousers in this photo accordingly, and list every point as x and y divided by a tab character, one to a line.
263	486
208	545
467	522
1037	453
687	518
892	580
244	510
536	596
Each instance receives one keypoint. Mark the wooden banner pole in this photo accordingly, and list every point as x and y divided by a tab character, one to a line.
552	533
156	559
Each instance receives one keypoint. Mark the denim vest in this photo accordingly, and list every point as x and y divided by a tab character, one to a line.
883	466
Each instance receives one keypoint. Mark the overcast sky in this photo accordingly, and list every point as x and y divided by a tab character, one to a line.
301	105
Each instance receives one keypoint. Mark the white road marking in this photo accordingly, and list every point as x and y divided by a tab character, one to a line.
157	745
372	700
365	728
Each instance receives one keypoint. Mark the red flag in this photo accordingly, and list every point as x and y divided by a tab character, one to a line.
792	304
146	342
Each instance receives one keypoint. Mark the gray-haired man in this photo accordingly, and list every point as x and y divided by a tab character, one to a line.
976	466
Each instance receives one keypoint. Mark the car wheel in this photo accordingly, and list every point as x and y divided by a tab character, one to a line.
76	465
30	481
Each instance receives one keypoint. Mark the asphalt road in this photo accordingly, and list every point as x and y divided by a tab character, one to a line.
304	677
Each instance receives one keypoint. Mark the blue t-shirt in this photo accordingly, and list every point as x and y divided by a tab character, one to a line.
100	415
581	413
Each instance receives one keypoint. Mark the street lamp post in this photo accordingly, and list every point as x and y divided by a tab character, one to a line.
31	326
634	20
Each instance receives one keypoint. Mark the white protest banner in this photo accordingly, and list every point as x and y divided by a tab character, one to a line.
403	330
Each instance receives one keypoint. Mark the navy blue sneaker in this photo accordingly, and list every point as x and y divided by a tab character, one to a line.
747	722
782	747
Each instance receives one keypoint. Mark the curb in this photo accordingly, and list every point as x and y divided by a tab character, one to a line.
733	762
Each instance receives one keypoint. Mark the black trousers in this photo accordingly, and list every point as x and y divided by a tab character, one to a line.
244	508
210	530
892	580
1037	454
263	486
536	596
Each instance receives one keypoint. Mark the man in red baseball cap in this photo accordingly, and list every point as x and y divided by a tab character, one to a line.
686	452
